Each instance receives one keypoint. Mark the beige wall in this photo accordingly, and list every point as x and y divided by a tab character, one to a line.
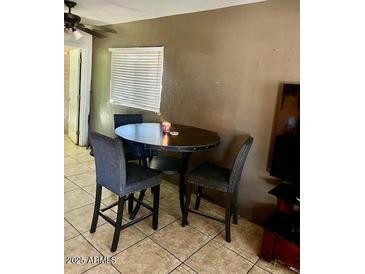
222	72
66	72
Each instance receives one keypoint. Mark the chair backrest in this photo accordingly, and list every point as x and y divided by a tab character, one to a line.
110	162
238	165
126	119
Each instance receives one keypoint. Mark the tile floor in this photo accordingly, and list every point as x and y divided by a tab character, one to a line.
197	248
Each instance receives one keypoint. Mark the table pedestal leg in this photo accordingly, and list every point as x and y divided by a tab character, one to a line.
185	165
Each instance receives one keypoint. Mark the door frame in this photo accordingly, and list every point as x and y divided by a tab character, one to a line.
85	44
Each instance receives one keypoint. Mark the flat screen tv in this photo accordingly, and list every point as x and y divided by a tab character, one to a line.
285	163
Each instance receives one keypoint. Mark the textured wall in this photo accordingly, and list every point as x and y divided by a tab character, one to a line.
66	73
222	72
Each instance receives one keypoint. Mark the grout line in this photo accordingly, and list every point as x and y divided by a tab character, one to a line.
195	253
175	268
165	249
117	253
250	268
206	234
183	265
87	242
71	189
73	228
77	208
116	268
89	269
191	268
261	267
234	250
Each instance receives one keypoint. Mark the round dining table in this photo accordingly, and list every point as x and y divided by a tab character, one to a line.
188	140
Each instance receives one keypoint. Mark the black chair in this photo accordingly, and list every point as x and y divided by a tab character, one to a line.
131	152
122	178
221	179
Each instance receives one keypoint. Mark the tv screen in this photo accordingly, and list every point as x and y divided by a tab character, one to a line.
285	163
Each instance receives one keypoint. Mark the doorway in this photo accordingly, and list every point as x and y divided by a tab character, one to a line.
72	92
78	122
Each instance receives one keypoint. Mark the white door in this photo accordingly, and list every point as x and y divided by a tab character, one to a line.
74	95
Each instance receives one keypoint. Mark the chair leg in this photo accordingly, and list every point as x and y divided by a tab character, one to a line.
138	205
198	197
156	202
235	209
228	218
130	203
187	204
118	224
96	208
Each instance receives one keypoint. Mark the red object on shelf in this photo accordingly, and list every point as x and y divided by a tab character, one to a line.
284	206
275	247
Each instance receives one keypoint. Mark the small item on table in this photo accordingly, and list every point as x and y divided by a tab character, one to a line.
166	127
174	133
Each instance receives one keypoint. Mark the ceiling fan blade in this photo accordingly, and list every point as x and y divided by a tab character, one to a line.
98	28
89	31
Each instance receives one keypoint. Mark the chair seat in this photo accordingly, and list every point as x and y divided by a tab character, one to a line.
139	178
211	176
168	165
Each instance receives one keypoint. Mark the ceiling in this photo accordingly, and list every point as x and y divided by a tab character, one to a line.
105	12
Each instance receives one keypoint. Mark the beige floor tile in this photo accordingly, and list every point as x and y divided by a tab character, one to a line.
81	217
90	164
78	247
183	269
212	208
103	237
86	179
75	169
205	225
76	198
215	258
180	241
170	186
274	268
167	189
68	231
111	199
246	239
146	225
83	157
258	270
72	149
145	257
171	205
69	161
102	269
68	185
105	193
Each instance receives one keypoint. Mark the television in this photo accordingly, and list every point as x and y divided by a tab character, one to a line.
285	163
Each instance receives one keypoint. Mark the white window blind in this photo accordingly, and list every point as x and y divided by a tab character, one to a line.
136	77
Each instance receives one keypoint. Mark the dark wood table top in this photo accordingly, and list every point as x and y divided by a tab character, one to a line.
150	135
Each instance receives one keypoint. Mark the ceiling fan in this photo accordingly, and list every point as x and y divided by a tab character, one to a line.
72	22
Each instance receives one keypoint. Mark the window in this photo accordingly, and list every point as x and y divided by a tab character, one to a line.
136	77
